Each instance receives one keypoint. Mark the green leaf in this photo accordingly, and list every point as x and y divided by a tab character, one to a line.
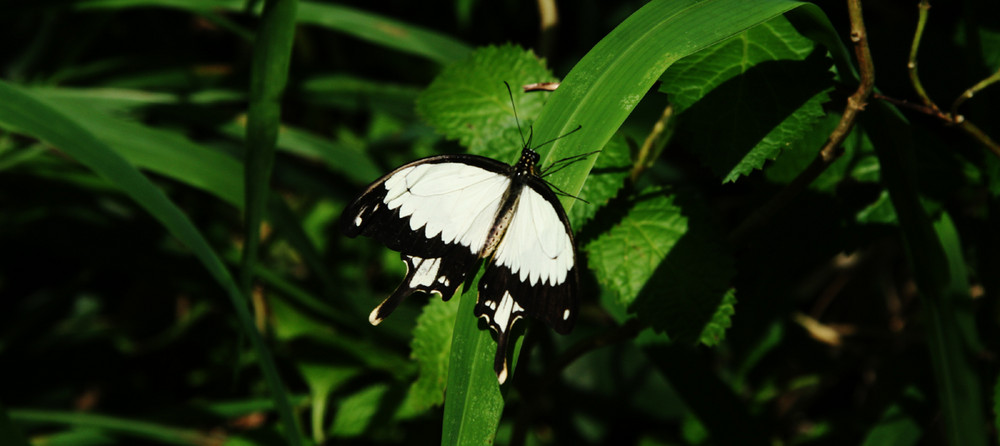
323	379
878	212
432	349
624	258
352	93
745	100
384	31
364	25
896	428
165	152
18	109
715	330
272	52
356	412
857	162
468	101
672	273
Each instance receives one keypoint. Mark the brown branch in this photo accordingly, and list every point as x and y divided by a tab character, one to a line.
834	143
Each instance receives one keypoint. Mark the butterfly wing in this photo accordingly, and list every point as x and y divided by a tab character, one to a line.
437	212
533	270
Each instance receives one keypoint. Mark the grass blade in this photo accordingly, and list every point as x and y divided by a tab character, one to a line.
21	111
938	277
272	53
473	402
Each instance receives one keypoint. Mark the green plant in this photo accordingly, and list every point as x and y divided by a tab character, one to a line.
778	247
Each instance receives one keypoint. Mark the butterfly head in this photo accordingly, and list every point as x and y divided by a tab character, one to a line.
526	164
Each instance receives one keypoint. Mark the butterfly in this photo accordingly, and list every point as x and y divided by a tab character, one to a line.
445	213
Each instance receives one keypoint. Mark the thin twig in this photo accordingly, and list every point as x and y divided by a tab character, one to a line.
953	117
834	143
995	77
912	64
973	131
653	145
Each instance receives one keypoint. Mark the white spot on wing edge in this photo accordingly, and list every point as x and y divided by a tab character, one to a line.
373	317
503	373
566	314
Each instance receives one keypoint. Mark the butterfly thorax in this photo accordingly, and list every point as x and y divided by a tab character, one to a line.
520	171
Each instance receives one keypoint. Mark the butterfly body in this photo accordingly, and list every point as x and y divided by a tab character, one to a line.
444	213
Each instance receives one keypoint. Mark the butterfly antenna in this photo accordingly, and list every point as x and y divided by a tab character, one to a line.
518	121
557	138
564	193
564	163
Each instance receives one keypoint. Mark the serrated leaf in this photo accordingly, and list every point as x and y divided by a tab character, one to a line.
469	102
857	162
624	258
605	180
679	276
431	348
715	331
745	100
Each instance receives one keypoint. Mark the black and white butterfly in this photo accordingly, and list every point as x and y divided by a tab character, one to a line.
445	212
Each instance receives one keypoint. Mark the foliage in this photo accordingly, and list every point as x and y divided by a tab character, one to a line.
137	159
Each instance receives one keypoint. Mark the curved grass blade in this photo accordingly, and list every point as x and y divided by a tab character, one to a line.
21	111
272	53
598	94
603	88
939	271
473	401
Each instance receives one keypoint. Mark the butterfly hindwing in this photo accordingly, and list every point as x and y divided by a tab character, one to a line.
532	271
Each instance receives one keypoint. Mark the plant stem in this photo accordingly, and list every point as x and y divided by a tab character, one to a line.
653	145
911	65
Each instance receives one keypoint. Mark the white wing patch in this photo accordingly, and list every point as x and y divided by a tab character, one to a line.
507	308
536	247
454	200
426	273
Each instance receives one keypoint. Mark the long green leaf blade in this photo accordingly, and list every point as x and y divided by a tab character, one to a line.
272	53
938	278
605	86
